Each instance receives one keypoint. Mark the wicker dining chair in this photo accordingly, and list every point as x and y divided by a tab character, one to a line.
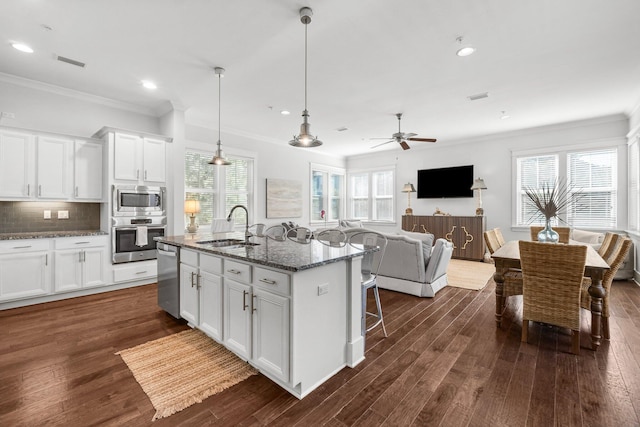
564	233
491	239
615	260
609	243
513	277
552	286
499	236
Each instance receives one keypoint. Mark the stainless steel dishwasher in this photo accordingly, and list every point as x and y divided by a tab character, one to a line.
169	279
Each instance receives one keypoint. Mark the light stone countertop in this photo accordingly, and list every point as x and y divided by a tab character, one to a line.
50	234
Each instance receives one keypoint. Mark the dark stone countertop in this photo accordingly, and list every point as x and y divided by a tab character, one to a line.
287	255
50	234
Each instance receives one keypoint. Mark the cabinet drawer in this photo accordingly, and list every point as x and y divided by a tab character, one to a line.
79	242
210	264
189	257
237	271
135	271
26	245
272	281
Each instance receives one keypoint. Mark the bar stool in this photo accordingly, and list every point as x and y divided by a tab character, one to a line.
369	272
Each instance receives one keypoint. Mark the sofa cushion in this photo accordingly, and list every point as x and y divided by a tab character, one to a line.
350	223
584	236
427	243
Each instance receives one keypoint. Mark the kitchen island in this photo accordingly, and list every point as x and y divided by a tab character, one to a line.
292	310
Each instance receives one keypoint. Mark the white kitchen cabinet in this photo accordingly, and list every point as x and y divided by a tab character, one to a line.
139	159
16	165
25	269
79	263
88	170
53	167
257	318
201	292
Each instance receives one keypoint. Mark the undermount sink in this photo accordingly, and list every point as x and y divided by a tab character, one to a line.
225	243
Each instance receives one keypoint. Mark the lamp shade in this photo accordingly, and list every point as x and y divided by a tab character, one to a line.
191	206
408	188
479	184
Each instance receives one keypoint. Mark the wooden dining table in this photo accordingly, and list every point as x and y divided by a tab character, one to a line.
508	257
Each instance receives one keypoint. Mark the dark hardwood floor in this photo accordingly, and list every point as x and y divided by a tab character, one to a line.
444	363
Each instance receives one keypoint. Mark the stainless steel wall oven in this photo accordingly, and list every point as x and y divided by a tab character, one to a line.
133	238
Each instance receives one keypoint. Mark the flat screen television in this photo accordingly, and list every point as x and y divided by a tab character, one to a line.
445	182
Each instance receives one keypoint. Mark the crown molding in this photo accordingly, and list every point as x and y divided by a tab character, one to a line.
74	94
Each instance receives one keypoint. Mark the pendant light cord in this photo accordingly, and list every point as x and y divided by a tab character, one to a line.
305	66
219	105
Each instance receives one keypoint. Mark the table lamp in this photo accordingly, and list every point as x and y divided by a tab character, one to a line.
192	207
408	188
479	185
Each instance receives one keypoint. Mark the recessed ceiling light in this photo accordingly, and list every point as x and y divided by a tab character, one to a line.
149	84
504	116
285	112
22	47
465	50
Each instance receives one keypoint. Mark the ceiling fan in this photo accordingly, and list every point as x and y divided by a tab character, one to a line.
402	138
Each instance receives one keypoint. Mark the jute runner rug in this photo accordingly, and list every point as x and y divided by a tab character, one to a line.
182	369
469	274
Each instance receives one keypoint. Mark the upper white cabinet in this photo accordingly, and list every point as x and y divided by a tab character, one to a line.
16	164
54	166
139	159
88	170
49	167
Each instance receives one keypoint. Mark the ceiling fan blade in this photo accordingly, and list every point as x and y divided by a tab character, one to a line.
409	135
423	139
404	145
382	144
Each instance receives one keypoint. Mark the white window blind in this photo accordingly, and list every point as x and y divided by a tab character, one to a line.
238	187
371	195
634	185
200	184
593	175
533	172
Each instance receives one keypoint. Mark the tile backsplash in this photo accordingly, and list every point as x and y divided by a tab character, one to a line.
28	217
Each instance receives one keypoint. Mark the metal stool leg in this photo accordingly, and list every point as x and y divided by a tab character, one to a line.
377	315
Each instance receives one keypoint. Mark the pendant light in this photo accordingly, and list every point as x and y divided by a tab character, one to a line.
218	158
305	139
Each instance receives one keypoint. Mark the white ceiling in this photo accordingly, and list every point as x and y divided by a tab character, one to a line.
543	62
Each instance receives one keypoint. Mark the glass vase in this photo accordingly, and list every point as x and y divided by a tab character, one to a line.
548	234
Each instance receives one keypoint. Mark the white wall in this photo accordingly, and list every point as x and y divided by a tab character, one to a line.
491	157
634	131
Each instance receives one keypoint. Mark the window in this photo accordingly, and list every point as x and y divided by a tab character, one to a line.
591	173
634	184
327	193
218	188
371	195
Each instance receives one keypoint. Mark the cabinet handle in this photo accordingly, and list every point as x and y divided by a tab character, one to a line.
244	300
40	190
84	256
22	247
141	272
28	189
137	173
82	243
46	259
80	256
76	191
268	281
198	281
232	271
252	306
192	283
145	174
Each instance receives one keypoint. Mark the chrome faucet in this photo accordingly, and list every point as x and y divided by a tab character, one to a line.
247	234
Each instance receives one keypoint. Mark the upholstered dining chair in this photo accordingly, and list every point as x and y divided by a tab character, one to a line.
276	232
332	237
564	233
369	273
300	235
616	257
552	283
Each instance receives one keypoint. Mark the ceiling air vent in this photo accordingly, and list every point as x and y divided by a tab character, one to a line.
71	61
478	96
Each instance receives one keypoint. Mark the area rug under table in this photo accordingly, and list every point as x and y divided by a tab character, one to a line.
182	369
469	274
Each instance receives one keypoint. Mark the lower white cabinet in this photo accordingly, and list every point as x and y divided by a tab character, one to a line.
256	321
25	269
79	263
201	292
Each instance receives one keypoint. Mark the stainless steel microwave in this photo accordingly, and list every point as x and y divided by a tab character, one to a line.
136	200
